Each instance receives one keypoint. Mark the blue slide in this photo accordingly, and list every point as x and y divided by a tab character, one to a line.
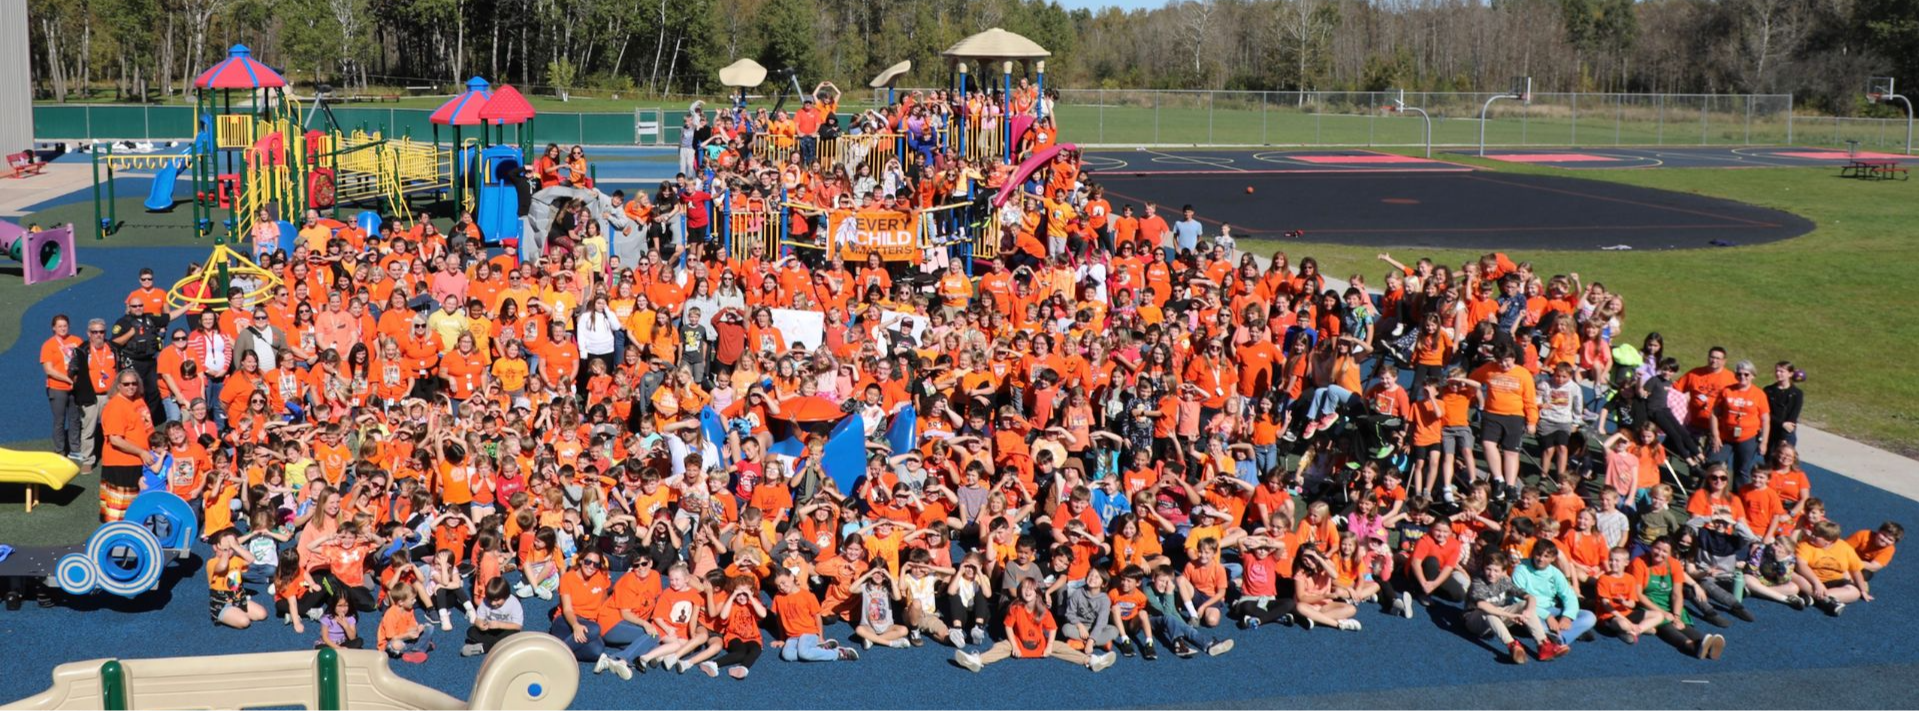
160	199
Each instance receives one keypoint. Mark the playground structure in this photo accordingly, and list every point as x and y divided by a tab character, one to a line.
44	255
258	152
992	129
529	670
125	558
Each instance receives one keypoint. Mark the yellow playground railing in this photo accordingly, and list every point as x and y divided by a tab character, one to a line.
873	150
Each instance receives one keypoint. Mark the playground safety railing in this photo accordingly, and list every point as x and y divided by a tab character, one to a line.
872	149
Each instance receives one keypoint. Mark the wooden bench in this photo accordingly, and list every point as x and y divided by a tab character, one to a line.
23	164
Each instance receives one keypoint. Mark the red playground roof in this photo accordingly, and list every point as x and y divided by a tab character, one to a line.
507	106
240	71
464	110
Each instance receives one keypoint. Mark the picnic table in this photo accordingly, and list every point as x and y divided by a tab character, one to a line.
1873	169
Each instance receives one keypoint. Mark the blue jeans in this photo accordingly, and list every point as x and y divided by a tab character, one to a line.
1582	622
806	648
420	644
587	651
1265	457
1172	628
628	641
1327	400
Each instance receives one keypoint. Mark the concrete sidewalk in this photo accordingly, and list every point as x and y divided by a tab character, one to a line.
57	180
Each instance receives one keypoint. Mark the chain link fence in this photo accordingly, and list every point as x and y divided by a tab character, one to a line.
1114	117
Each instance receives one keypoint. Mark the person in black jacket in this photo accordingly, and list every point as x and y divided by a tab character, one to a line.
1784	399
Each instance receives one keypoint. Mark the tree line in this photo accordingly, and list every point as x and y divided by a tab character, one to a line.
1819	50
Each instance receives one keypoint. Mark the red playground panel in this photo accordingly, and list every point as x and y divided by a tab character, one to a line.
1841	155
1374	159
1551	158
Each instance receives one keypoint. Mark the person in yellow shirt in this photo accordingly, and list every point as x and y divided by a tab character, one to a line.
1833	568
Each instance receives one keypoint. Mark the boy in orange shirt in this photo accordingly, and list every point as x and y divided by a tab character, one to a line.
799	613
401	634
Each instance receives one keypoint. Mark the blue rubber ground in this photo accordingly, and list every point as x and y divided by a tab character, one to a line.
1867	654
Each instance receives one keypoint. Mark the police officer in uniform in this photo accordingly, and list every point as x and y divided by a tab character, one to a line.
137	338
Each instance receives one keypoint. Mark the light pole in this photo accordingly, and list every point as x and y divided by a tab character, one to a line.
1399	101
1522	90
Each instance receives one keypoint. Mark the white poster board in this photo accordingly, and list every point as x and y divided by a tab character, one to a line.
806	328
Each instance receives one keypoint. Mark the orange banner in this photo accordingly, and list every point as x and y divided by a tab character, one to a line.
894	235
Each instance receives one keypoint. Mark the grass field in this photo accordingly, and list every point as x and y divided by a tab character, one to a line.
1827	300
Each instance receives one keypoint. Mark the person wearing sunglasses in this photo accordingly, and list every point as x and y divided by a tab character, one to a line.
127	425
1740	419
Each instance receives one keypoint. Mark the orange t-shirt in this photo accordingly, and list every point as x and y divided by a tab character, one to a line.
132	421
588	594
678	610
799	613
56	352
1029	631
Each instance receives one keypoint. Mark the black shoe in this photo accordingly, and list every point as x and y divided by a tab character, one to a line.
1149	652
13	602
1742	613
1588	636
1125	648
1796	602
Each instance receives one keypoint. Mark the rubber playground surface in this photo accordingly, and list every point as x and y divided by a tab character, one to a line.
1397	200
1786	659
1690	157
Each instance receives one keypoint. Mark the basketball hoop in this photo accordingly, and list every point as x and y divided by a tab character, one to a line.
1874	98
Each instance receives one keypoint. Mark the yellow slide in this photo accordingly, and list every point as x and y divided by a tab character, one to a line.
36	469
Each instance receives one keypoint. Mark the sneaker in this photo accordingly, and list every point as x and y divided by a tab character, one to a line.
1836	608
914	638
1249	623
543	593
599	667
619	667
669	663
1517	651
1552	650
829	643
1699	650
471	614
1715	644
1327	422
1349	625
313	613
967	660
1183	650
1102	661
849	654
472	650
1796	602
979	636
1218	647
1149	652
682	666
1406	604
1303	622
901	643
1311	429
1125	647
522	590
956	637
710	669
1742	613
1588	636
866	643
738	673
414	657
446	620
